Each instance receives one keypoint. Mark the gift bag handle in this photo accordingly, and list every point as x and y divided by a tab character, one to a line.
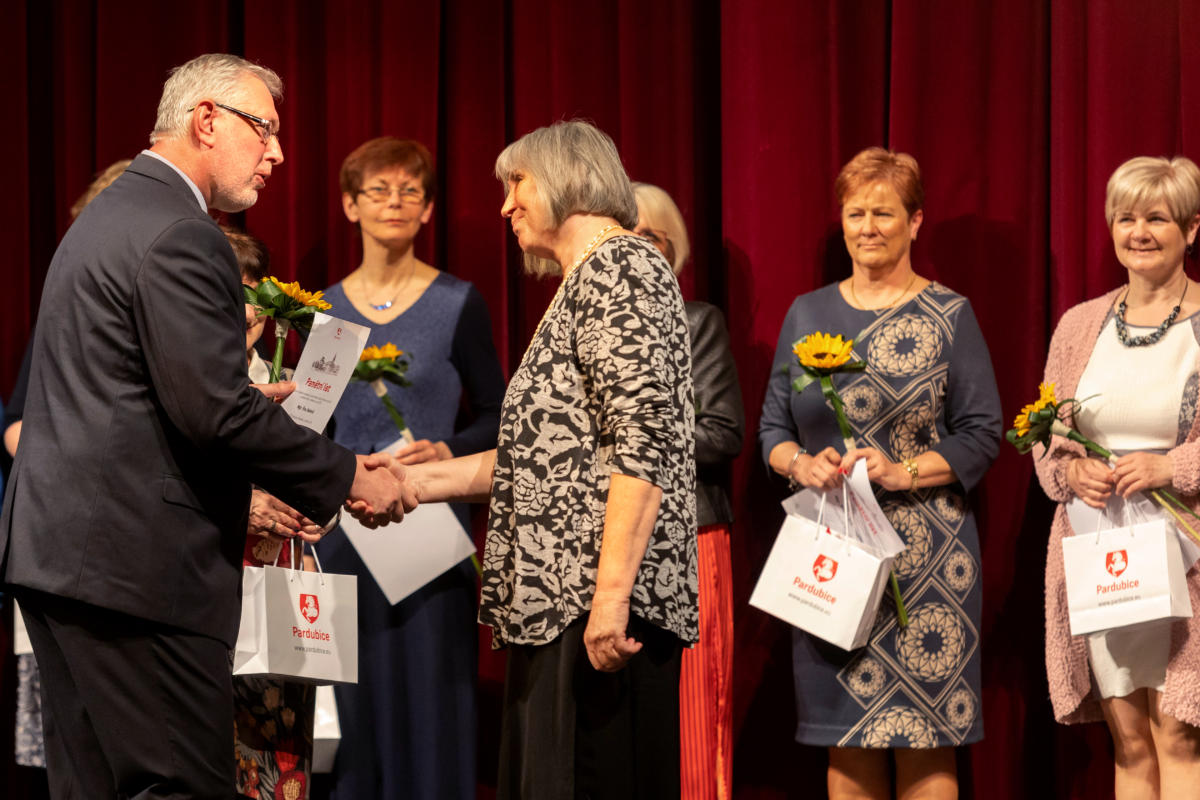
846	518
297	562
820	518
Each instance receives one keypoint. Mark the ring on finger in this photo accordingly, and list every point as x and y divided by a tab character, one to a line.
274	524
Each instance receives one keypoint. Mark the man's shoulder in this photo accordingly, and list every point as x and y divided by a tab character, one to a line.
148	197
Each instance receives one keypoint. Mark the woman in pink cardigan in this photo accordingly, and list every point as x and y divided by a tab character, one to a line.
1135	353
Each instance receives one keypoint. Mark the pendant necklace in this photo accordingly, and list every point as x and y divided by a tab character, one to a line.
859	303
1150	338
403	285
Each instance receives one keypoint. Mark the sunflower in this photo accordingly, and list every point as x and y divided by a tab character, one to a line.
389	351
1046	399
294	291
822	351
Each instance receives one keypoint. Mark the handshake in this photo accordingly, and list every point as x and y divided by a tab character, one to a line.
382	491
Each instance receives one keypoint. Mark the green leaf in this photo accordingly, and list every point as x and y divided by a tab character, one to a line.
268	291
801	383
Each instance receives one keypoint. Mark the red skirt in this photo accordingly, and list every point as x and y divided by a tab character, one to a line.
706	679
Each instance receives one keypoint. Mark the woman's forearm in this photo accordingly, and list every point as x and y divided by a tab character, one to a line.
783	457
933	470
465	479
629	518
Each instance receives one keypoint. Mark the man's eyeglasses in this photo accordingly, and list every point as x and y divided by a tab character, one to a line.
265	128
381	194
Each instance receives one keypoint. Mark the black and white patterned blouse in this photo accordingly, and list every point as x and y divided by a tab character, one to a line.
605	386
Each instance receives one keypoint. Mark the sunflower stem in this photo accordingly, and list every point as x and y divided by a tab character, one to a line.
394	412
839	410
282	326
901	611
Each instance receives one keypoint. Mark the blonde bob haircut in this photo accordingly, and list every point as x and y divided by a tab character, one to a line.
875	165
1145	180
577	171
215	76
662	214
101	182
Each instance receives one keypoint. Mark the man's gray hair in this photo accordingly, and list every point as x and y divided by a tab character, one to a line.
577	170
215	76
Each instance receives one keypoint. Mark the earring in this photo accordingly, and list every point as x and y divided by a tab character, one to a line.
1191	248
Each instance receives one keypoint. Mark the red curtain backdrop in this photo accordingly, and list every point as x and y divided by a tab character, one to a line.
743	110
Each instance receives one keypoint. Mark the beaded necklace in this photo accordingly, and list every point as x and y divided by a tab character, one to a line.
1150	338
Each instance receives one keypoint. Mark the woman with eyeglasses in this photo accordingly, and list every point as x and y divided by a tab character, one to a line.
408	726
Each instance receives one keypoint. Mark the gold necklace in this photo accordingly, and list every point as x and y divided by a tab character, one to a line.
587	251
859	303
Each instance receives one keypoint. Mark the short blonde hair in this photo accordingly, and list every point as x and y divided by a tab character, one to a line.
875	164
1145	180
577	171
215	76
101	182
662	214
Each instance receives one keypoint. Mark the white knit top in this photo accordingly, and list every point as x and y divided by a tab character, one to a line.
1142	401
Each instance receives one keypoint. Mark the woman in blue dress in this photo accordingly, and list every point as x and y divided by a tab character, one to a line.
409	725
926	420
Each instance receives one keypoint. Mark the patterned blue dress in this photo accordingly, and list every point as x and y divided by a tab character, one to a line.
928	386
409	725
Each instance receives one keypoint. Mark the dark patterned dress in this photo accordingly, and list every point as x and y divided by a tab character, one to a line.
605	386
928	386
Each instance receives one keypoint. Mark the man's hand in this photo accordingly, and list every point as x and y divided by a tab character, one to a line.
276	392
379	494
609	647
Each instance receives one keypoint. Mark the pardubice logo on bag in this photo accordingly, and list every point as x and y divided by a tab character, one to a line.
310	607
1115	563
824	568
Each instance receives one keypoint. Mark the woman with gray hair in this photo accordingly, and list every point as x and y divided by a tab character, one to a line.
590	567
706	677
1135	352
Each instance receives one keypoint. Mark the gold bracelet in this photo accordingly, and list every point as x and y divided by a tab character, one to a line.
910	466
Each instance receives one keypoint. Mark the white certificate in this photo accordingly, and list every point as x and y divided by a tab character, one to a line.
324	369
404	557
868	525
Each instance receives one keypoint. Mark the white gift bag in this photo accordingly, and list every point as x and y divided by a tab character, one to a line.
822	582
21	644
298	625
327	732
1124	576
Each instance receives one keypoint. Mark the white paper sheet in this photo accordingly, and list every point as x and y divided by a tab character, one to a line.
869	526
403	557
324	369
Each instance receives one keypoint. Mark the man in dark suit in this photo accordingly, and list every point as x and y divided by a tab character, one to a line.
126	513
